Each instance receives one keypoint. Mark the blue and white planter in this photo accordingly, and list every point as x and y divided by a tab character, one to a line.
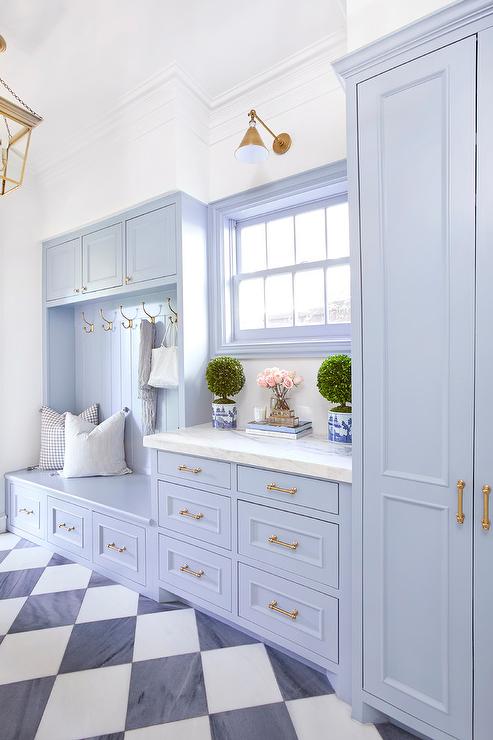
224	415
340	428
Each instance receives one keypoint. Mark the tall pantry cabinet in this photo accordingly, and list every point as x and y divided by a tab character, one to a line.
420	164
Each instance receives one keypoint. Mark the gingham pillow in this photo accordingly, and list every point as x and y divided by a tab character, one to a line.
52	453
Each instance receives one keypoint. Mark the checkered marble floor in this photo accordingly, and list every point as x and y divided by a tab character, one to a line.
83	657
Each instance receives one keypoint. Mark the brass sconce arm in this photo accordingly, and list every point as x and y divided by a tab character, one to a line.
282	142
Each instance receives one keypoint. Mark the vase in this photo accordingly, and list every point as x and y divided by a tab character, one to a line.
340	427
224	415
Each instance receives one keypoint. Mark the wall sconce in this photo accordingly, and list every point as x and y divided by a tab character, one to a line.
252	149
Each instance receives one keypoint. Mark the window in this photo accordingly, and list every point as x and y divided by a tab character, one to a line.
280	270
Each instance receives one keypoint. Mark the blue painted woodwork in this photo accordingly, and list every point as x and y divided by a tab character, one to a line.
151	245
63	269
102	259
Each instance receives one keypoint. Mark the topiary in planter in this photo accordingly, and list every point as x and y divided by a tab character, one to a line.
225	377
334	382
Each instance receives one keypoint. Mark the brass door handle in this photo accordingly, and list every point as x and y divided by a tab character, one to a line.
186	469
275	487
274	540
196	573
185	512
115	548
292	614
26	511
64	526
459	517
485	523
128	279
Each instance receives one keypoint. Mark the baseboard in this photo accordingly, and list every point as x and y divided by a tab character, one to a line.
3	523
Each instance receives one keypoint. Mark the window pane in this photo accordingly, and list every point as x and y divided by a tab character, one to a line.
251	304
279	301
338	295
252	241
309	297
310	236
280	242
338	231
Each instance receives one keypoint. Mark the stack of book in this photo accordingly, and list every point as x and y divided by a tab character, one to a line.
264	429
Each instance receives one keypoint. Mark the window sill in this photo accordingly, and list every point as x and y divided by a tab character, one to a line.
286	348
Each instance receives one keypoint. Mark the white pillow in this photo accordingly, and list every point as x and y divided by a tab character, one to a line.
94	450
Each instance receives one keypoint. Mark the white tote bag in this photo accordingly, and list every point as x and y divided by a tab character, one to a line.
164	363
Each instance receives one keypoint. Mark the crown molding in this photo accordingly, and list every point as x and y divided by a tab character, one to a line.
413	36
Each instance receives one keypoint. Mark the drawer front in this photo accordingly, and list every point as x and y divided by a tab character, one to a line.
291	542
119	546
198	469
295	489
206	516
27	509
69	526
195	570
299	614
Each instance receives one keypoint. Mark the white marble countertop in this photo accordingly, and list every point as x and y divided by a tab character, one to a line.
310	455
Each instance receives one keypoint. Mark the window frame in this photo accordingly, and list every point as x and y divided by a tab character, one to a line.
311	190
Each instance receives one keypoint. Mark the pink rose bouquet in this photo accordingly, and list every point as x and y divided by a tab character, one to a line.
280	382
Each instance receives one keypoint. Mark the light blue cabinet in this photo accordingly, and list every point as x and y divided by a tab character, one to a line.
63	270
151	245
102	259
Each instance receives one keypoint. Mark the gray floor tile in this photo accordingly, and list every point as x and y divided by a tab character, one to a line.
98	580
59	560
270	721
98	644
295	679
149	606
22	705
18	582
389	731
48	610
214	634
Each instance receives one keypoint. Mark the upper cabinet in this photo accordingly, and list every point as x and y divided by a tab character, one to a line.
63	270
151	245
102	259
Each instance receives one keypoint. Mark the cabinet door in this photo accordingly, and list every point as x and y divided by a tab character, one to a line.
102	259
417	162
63	270
483	536
151	245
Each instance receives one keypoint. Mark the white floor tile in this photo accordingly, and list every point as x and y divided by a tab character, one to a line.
9	609
108	602
86	704
188	729
8	540
26	655
314	717
26	557
166	633
239	677
62	578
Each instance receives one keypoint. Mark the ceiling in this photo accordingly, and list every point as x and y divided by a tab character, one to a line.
73	60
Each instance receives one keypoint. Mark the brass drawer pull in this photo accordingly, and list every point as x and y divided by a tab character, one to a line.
185	512
292	614
186	469
275	487
459	517
26	511
485	523
196	573
274	540
114	547
64	526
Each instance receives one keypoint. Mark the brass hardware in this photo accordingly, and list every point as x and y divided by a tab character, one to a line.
87	324
196	573
173	319
114	547
76	290
26	511
83	289
186	469
128	279
3	44
128	323
64	526
459	517
275	487
485	523
152	318
185	512
108	325
292	614
274	540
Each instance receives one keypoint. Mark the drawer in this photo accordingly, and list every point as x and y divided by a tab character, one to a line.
295	489
290	542
299	614
27	508
198	469
69	526
197	571
120	547
206	516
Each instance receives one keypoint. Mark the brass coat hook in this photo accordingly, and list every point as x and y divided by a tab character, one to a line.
173	319
152	319
128	323
87	324
108	325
